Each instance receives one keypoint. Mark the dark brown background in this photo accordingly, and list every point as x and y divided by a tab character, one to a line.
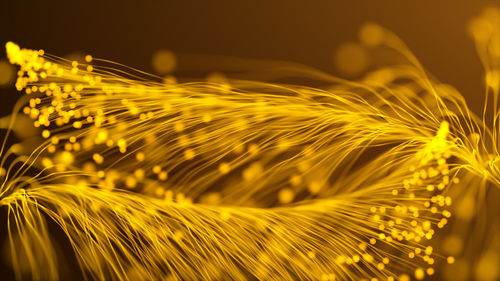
300	31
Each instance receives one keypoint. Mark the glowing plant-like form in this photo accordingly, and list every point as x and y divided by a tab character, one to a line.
243	179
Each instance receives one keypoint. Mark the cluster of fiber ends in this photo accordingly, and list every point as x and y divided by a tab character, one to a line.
33	68
430	177
421	206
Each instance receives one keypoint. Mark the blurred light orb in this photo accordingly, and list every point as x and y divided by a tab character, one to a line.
164	61
487	268
371	34
453	244
351	59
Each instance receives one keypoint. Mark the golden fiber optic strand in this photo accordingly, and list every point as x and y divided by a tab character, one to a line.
421	200
181	133
174	131
373	232
396	188
260	123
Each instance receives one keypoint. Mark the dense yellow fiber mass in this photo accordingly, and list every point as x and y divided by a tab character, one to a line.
232	179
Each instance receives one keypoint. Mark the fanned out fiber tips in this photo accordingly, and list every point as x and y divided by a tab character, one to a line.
231	179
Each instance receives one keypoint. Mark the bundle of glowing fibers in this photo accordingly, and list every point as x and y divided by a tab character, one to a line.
236	179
